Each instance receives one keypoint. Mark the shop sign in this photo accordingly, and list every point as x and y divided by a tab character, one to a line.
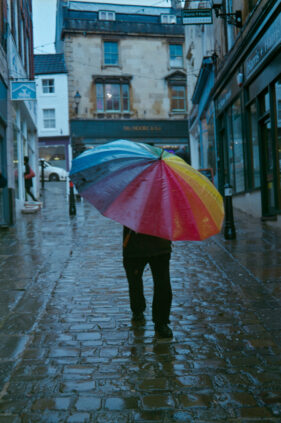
23	90
270	40
197	16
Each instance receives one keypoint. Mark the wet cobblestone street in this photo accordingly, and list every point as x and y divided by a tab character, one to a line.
68	349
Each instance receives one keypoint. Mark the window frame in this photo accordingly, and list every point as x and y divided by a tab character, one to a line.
48	118
105	53
107	13
175	56
103	89
173	87
169	18
48	86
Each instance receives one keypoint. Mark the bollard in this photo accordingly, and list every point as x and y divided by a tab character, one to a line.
229	228
72	207
42	174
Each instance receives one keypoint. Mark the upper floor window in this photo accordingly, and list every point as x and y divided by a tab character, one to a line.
176	56
105	15
49	118
178	98
48	86
112	97
168	19
111	53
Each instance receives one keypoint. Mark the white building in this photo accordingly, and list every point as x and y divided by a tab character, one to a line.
52	103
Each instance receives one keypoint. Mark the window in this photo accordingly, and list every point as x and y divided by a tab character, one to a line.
254	146
111	53
178	99
168	19
113	97
176	56
49	120
48	86
106	16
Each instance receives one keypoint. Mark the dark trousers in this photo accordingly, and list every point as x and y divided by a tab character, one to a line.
162	293
28	192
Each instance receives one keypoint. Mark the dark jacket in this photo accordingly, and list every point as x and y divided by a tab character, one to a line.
27	182
140	245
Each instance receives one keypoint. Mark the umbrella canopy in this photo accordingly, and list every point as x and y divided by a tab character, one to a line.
149	190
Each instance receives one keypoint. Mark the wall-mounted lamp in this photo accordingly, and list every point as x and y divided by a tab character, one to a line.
77	99
231	18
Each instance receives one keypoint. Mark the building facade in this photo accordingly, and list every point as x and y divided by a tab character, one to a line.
126	72
17	104
240	82
4	196
52	109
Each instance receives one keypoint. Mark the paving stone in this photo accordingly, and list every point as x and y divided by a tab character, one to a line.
69	351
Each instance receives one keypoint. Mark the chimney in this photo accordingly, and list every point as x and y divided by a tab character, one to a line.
176	4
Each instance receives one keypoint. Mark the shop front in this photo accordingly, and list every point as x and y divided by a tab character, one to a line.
248	113
171	135
4	203
202	127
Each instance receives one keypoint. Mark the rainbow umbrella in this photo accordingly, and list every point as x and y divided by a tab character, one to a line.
149	190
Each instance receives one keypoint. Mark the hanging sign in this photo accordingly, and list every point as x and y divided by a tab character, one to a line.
23	90
197	16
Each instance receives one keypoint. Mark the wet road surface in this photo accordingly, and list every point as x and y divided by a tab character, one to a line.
68	349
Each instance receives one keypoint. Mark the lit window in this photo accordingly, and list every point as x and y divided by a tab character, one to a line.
48	86
168	19
49	120
112	97
178	98
176	56
106	15
110	53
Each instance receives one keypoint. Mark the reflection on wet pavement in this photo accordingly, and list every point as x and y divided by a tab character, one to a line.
70	353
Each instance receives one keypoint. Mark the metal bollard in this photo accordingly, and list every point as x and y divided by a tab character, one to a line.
72	207
229	228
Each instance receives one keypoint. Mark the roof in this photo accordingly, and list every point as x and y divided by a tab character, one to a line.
49	64
119	8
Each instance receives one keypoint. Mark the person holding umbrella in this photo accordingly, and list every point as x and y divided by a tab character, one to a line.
138	251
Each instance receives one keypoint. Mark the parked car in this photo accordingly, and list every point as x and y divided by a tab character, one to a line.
52	173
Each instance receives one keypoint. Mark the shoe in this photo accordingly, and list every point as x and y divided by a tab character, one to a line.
162	330
138	318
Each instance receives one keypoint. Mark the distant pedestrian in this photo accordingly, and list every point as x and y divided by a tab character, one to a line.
28	175
138	251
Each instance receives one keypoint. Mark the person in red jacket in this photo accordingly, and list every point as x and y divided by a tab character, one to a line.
138	251
28	179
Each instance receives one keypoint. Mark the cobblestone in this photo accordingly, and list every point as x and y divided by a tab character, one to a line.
68	349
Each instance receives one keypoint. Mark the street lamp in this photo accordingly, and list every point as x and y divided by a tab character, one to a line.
77	99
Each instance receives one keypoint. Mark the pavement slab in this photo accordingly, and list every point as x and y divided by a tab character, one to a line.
70	353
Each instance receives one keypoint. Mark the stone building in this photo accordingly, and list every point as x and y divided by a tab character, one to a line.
126	69
235	100
17	104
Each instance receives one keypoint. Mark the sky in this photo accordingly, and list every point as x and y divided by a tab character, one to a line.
44	17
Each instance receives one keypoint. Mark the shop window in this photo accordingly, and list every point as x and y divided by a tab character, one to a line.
234	149
178	99
111	53
48	86
113	97
239	171
49	120
254	146
176	56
